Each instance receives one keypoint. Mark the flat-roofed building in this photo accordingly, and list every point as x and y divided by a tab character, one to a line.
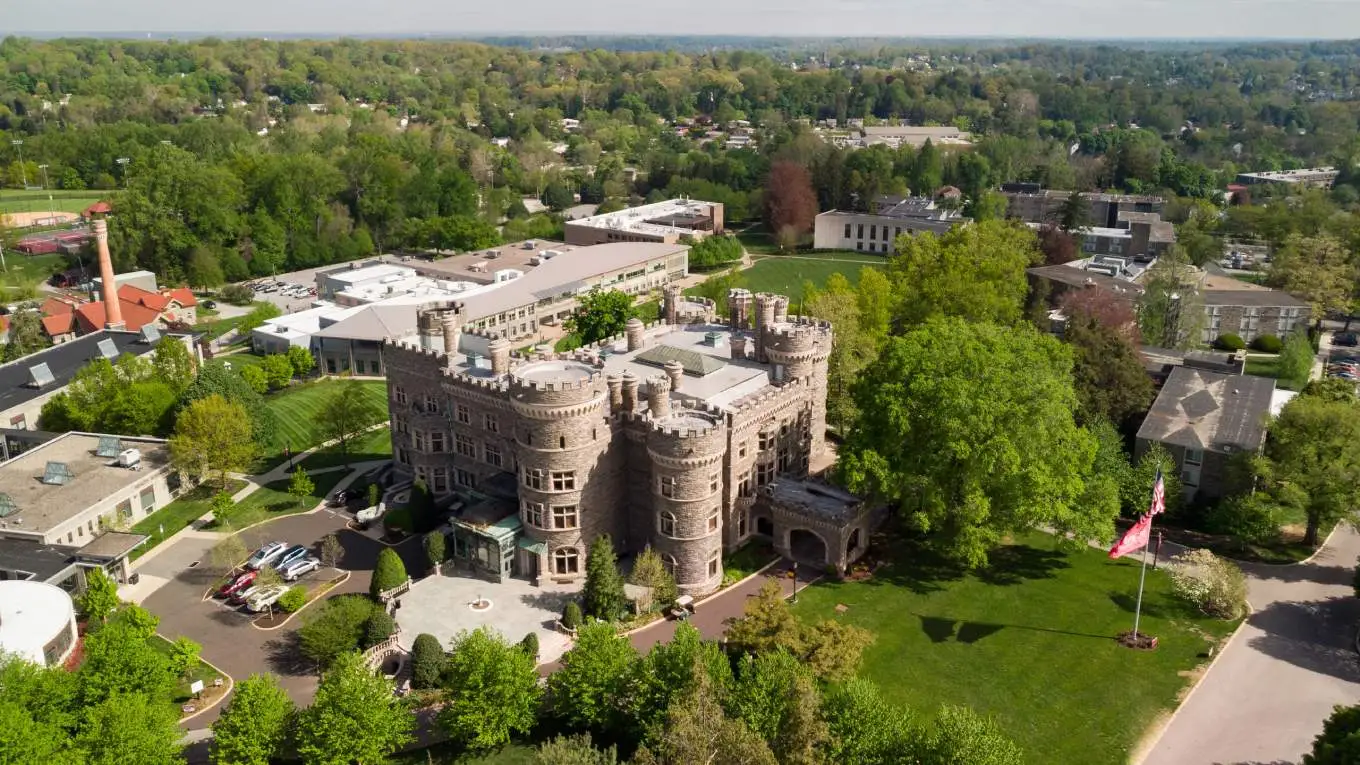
1033	204
1311	177
664	222
878	231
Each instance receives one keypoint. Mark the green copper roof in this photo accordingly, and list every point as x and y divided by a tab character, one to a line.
695	363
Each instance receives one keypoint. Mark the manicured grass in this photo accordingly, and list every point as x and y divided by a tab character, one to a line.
200	671
33	268
746	561
297	410
786	276
1268	366
189	507
23	200
374	445
273	500
1029	641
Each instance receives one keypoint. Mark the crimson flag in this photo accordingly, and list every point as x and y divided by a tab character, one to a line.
1135	538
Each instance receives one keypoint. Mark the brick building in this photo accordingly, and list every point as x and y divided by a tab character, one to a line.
661	436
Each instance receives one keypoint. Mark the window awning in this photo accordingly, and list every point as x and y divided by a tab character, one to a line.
537	548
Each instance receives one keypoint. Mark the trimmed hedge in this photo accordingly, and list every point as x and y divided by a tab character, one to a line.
1267	344
1230	342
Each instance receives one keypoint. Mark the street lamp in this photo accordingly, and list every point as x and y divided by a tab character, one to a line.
123	161
23	172
48	186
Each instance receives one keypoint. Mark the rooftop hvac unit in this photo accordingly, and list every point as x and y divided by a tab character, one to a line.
535	260
550	254
130	459
493	254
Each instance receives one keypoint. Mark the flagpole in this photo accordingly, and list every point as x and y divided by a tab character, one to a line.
1138	607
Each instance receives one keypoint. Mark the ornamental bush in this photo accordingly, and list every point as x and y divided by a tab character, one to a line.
1214	586
427	661
1267	344
571	616
1250	518
388	573
530	645
380	627
1229	342
294	599
236	294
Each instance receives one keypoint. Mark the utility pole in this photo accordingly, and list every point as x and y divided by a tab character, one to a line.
23	171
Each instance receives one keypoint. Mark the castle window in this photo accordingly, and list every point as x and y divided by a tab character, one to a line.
441	480
744	486
492	454
764	474
465	446
564	480
566	560
767	441
463	414
565	517
403	456
665	523
714	561
667	484
437	441
419	441
713	520
431	405
561	442
784	428
465	478
533	514
401	425
741	524
741	449
534	479
668	561
713	482
399	393
783	460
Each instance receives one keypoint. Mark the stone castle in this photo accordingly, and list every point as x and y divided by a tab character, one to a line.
662	436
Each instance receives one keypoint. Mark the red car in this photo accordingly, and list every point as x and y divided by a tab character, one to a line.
239	584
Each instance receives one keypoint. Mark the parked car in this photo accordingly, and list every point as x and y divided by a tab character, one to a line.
266	555
237	584
1347	339
244	595
299	567
265	597
209	304
296	552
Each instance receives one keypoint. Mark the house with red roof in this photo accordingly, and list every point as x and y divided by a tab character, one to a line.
65	318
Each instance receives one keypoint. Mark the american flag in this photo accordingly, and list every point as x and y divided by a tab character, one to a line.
1158	496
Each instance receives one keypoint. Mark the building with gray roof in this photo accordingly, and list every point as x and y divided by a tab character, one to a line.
1206	420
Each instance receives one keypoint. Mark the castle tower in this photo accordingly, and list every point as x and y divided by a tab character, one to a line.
499	350
567	489
766	305
671	296
636	332
686	451
739	302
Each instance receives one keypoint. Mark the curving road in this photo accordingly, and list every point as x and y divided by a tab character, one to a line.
1266	697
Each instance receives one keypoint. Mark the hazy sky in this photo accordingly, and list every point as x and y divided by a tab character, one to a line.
878	18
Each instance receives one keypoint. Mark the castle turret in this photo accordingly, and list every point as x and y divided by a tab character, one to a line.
686	452
615	385
659	397
671	296
637	333
766	305
739	302
451	327
676	372
629	392
499	351
738	346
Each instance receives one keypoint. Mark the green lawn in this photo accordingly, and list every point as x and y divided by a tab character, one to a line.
1268	366
189	507
273	500
297	410
1029	641
33	268
374	445
200	672
746	561
786	276
21	200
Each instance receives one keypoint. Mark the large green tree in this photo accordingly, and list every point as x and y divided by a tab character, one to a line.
254	727
1339	741
1107	371
602	596
492	692
355	717
345	413
974	438
131	727
698	730
973	272
1317	269
591	690
1312	460
864	728
212	437
1171	308
26	335
600	314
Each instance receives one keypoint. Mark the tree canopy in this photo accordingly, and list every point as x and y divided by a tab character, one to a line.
972	272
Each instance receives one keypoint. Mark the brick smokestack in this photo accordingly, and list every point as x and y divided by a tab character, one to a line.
113	313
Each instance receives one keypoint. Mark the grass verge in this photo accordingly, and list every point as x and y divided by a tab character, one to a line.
297	410
273	500
1029	640
189	507
201	671
752	556
374	445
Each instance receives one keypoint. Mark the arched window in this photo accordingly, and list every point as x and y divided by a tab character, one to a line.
668	561
566	560
561	442
666	523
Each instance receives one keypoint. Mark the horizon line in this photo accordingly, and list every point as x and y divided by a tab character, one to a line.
427	35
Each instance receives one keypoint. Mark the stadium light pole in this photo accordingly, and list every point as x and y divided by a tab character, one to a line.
123	162
48	186
23	171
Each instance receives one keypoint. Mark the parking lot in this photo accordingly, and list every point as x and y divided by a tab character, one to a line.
229	639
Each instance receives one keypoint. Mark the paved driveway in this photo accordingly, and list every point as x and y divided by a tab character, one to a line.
228	639
1267	695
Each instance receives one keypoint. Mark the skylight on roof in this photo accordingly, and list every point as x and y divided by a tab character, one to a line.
107	349
695	363
40	375
57	474
109	446
150	334
7	506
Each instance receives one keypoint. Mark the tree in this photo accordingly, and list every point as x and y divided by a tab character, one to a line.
764	691
1106	307
336	627
118	660
1057	245
829	649
254	726
212	435
975	438
255	377
600	314
927	173
345	413
571	615
173	364
864	728
184	656
332	552
1171	310
713	251
574	750
1316	269
1312	460
203	269
424	512
355	717
790	203
959	734
217	380
989	205
26	335
26	737
222	504
1295	364
529	646
257	317
388	574
301	359
1074	214
697	730
226	555
427	661
650	571
1107	371
300	484
1339	741
590	691
1214	586
434	547
278	371
379	627
973	272
130	727
557	196
100	597
667	672
602	595
493	693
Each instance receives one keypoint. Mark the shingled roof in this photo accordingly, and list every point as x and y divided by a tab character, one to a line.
1198	409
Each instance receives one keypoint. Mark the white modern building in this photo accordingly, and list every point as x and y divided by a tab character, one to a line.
878	231
664	222
37	622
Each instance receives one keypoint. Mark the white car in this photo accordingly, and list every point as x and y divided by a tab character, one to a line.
296	568
266	555
265	597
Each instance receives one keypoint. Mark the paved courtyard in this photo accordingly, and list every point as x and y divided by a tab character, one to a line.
442	606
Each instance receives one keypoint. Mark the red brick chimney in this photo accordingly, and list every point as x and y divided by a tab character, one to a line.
113	313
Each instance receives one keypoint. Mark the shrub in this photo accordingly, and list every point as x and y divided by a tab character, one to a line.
301	359
1252	519
530	645
255	378
1229	342
379	627
334	628
571	615
388	573
427	661
278	371
434	548
236	294
1214	586
1267	344
294	599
